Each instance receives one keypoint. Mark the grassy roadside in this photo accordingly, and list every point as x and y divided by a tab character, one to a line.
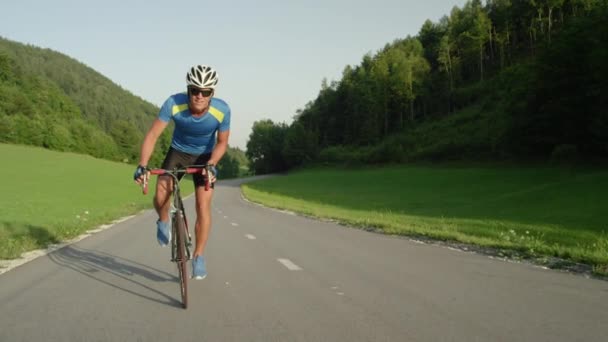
533	211
52	196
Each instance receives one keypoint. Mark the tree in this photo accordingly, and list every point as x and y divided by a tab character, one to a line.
568	107
6	68
430	36
552	5
128	139
58	138
408	70
228	166
446	59
499	15
300	145
480	33
265	145
380	75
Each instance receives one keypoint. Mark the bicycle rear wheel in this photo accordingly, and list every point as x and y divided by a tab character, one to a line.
181	256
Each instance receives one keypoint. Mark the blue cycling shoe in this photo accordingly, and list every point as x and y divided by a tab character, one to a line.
163	232
199	271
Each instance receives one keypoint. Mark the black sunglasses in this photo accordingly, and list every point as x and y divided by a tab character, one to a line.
205	92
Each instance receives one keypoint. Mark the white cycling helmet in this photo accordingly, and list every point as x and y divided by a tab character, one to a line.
202	76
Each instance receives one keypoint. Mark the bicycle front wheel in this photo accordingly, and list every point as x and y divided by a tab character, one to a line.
181	256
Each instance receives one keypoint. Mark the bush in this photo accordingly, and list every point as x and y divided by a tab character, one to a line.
564	153
345	155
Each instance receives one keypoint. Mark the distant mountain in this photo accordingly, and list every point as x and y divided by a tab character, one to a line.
51	100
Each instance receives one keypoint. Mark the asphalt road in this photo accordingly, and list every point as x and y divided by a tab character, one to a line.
274	276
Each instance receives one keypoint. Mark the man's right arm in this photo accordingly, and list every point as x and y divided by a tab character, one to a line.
147	147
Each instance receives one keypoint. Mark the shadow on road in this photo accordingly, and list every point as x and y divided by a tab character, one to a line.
98	265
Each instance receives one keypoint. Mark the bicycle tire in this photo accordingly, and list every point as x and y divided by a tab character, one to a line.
181	257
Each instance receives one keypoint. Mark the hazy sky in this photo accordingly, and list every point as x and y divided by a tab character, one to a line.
271	56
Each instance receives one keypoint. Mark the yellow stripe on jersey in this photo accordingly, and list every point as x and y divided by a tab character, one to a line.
179	108
217	114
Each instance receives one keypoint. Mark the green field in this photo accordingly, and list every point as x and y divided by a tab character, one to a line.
51	196
534	211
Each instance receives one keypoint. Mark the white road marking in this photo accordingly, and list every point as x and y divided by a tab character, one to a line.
290	265
336	288
234	224
250	237
225	216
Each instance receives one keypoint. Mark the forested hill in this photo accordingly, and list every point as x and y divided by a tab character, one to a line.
51	100
493	80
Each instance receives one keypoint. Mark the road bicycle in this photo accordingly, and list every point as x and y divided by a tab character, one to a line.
181	240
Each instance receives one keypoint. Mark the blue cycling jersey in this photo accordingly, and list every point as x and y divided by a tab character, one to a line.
195	135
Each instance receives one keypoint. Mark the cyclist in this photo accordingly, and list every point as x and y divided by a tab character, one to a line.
198	118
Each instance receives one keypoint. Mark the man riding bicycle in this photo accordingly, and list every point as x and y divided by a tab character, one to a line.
198	118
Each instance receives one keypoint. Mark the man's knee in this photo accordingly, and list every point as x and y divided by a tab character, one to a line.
164	184
164	187
203	204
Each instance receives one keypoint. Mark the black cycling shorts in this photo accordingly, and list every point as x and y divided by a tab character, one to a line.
179	159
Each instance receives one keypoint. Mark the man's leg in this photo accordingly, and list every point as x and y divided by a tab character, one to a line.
164	187
202	227
162	198
162	204
203	218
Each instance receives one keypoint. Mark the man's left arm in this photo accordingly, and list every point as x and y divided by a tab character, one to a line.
220	147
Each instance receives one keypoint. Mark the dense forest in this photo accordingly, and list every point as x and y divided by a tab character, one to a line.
500	80
50	100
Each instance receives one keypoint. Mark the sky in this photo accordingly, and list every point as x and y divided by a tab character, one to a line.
271	55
